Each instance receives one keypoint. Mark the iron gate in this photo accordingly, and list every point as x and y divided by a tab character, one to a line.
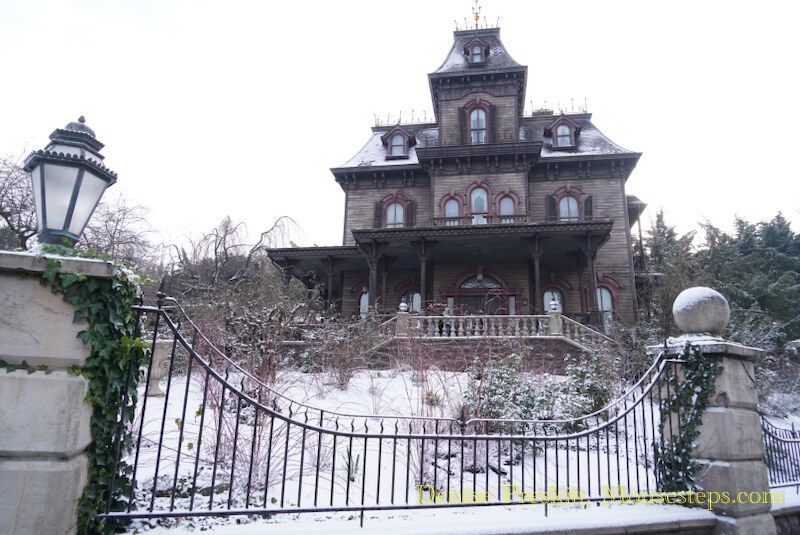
221	441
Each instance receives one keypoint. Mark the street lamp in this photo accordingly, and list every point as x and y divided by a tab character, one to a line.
68	180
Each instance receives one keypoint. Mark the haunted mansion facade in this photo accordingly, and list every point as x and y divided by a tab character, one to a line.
484	211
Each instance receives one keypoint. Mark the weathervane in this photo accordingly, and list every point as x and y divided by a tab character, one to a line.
476	13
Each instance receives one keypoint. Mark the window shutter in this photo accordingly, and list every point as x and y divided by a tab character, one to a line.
463	124
410	213
588	207
493	126
377	221
550	201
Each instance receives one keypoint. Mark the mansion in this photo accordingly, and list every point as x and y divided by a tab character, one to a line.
487	210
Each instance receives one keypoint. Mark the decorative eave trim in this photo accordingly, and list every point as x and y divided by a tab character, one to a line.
307	252
76	160
596	226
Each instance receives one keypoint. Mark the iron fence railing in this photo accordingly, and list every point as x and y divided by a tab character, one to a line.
222	441
781	454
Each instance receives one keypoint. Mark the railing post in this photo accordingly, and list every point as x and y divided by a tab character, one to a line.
556	327
730	447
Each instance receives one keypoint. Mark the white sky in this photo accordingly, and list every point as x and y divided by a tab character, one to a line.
215	108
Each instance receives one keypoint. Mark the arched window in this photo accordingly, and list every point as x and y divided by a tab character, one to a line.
568	209
478	206
398	145
563	136
477	54
480	281
550	295
363	304
452	212
477	126
414	300
395	216
605	303
507	208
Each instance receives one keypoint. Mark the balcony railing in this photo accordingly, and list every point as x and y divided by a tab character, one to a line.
481	219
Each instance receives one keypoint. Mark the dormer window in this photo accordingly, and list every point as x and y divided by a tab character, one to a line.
476	51
564	132
398	141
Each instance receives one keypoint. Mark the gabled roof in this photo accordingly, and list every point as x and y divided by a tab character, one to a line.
498	59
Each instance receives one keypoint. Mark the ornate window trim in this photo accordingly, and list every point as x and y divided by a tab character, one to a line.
396	198
488	130
452	221
584	204
489	199
506	194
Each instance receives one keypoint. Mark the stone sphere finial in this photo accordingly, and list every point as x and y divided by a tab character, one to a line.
701	310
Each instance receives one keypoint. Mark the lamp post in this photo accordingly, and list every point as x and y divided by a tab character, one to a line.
68	179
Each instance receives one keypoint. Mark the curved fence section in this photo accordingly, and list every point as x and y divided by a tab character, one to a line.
221	441
781	454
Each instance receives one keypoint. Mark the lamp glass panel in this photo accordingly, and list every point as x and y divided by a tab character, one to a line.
36	183
92	188
59	181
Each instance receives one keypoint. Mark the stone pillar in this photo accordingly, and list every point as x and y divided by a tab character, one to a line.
44	420
730	448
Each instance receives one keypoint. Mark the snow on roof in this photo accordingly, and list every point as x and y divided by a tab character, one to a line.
590	142
373	153
498	57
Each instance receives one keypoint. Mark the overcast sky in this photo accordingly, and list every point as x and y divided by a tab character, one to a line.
240	108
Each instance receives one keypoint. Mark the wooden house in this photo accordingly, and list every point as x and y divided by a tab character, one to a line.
487	210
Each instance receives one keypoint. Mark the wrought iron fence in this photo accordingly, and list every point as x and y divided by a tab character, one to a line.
781	454
222	441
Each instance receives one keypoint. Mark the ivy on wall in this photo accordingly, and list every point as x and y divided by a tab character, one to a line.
112	333
684	403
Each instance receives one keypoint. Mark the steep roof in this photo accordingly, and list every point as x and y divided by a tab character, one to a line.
498	58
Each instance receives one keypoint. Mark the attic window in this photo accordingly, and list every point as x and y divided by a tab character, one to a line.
398	145
398	141
477	54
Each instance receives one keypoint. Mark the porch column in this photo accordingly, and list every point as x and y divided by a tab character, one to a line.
422	254
591	253
536	254
286	276
581	273
384	264
329	294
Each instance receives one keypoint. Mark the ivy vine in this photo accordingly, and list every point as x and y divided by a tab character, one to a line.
115	350
687	400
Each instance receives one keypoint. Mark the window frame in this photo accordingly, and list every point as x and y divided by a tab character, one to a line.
507	194
452	221
489	203
391	199
572	192
471	107
388	141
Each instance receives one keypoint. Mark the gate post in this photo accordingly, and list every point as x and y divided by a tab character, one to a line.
44	420
730	448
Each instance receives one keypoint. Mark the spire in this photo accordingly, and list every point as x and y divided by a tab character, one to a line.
476	13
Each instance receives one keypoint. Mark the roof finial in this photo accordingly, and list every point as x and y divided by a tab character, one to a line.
476	13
